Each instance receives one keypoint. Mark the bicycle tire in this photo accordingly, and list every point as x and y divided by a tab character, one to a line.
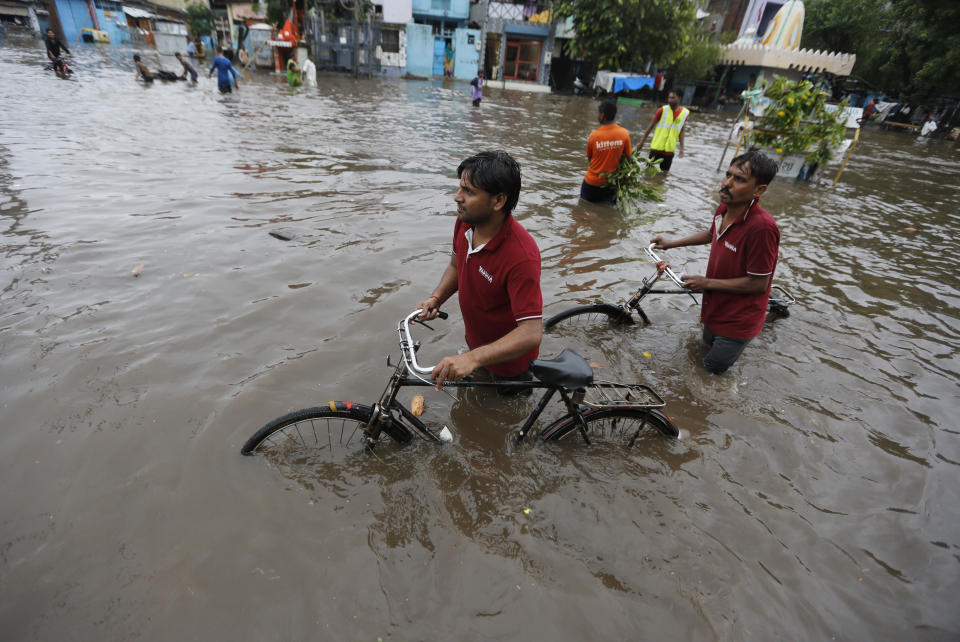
619	426
595	314
338	426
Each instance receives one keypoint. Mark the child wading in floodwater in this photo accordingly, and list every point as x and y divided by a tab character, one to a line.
477	84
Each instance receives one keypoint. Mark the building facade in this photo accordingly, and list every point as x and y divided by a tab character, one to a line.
439	42
519	43
120	22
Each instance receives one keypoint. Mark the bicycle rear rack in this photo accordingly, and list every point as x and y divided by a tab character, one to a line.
609	394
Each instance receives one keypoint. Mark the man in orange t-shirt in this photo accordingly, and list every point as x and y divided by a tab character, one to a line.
607	144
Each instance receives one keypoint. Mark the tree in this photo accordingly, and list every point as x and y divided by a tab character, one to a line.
626	34
277	12
909	48
199	19
700	56
923	55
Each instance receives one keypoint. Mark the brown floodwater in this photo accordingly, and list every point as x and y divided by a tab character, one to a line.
815	494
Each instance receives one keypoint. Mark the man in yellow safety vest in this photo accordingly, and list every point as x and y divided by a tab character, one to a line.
669	121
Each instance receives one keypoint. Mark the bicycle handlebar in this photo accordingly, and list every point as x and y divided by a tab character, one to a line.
669	272
409	346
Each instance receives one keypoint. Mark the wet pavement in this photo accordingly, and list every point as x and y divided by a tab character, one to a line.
815	495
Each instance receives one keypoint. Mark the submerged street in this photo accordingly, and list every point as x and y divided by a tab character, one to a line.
815	494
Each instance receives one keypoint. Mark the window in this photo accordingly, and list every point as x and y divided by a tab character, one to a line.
107	5
390	41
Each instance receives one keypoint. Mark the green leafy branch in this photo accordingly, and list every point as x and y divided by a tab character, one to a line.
797	121
631	180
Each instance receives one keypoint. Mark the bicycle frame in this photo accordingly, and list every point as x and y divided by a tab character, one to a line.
387	409
614	407
780	299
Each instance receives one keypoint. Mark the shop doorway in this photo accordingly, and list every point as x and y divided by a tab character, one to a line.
522	60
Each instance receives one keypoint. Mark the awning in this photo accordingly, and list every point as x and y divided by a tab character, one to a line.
631	83
261	25
133	12
11	10
244	12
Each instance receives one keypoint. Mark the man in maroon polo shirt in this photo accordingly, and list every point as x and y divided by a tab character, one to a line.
744	242
495	268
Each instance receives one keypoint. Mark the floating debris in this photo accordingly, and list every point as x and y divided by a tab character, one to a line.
136	271
416	406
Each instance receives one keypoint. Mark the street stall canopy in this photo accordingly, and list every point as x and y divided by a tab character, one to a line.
614	82
133	12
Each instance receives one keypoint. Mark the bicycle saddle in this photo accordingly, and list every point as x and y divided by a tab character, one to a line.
567	370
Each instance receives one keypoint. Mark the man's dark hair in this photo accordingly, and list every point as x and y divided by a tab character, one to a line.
762	167
494	172
609	110
136	57
675	92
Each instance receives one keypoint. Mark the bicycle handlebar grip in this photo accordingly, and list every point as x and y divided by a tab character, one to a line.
443	315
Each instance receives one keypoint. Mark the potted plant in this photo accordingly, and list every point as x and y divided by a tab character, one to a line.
798	123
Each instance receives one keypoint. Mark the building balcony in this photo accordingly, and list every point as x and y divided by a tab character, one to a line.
447	9
519	11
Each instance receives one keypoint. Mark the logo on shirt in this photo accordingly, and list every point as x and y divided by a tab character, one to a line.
730	246
486	274
606	144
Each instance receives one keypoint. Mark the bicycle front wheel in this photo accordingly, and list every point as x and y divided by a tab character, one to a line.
316	431
593	316
619	426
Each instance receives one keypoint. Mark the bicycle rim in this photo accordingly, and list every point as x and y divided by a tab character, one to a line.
588	317
623	427
312	434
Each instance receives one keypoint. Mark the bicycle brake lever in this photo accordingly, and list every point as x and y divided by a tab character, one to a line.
440	313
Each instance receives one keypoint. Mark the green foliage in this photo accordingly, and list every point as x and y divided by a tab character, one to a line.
631	181
908	48
700	56
277	12
199	19
625	34
797	121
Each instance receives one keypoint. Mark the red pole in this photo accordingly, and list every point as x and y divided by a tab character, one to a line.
93	15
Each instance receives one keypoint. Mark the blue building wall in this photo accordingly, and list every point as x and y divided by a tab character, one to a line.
74	16
446	9
419	50
466	55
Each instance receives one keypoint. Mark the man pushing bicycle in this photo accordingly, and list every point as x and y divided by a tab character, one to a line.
744	243
495	269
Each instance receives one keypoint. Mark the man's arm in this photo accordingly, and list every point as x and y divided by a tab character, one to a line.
525	337
700	238
750	284
653	123
680	148
443	291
